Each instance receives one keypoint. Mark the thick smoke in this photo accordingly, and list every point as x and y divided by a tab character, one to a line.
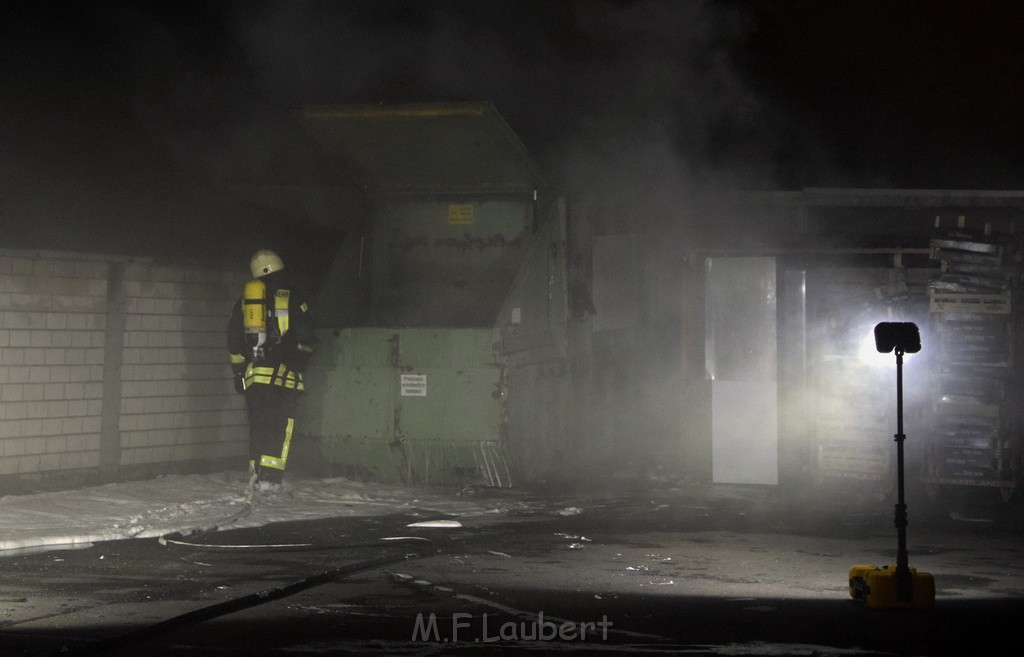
638	103
636	108
629	101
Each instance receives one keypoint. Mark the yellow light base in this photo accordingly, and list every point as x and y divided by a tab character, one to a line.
877	588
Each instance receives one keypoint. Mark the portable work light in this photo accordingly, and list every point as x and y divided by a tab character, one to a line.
900	585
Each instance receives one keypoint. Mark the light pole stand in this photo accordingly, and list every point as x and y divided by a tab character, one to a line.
900	586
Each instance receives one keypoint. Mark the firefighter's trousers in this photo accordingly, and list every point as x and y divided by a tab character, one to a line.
271	412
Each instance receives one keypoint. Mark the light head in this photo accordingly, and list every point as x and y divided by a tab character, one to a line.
899	336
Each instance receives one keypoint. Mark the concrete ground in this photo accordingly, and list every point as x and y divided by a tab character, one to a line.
722	573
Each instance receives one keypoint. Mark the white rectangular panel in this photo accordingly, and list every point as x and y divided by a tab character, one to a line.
744	428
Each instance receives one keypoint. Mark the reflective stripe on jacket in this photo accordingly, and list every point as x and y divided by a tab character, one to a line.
278	376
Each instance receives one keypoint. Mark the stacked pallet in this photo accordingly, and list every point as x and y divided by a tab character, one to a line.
852	410
970	306
853	407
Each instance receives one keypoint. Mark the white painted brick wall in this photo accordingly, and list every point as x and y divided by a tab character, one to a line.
176	400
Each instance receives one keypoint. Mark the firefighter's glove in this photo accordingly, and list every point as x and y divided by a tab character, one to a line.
240	385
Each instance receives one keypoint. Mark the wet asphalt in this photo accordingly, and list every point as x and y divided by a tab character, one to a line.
619	574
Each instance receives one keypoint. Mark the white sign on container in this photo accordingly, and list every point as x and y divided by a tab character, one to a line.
414	385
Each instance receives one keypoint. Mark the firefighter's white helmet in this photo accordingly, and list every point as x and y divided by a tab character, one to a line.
265	262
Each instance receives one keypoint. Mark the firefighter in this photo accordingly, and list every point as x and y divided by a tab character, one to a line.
270	341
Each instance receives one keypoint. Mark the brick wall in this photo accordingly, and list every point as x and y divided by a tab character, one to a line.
113	364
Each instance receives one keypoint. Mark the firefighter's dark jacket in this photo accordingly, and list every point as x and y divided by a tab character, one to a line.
289	342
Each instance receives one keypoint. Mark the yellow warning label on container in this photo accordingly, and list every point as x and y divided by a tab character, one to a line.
460	214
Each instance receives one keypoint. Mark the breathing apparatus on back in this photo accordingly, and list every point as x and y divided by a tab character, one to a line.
254	316
255	310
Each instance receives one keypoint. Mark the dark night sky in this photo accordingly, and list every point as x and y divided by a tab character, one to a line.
112	108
